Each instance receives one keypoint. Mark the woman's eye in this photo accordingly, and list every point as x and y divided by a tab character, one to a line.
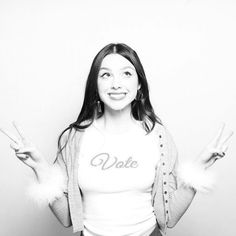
105	75
127	73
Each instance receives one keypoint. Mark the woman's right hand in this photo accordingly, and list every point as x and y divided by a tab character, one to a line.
24	149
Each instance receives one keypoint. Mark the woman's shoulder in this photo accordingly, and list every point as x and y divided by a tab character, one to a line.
162	129
73	131
76	132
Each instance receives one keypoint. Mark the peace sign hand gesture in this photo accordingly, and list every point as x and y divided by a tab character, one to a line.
24	149
214	150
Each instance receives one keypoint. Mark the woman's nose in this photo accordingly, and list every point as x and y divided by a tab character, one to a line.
115	82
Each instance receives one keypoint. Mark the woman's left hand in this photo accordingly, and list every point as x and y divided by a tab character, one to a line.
214	150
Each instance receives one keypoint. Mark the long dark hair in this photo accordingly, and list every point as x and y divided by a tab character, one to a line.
141	108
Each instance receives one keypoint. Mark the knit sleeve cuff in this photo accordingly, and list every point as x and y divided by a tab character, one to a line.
192	176
52	188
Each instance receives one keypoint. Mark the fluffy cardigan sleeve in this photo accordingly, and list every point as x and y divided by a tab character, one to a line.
53	190
184	181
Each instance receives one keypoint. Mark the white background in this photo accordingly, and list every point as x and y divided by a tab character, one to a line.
188	51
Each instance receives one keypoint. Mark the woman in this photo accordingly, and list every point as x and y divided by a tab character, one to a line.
116	171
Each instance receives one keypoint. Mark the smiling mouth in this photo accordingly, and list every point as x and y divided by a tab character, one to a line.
117	96
115	93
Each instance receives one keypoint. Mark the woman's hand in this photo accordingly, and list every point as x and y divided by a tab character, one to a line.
24	149
214	150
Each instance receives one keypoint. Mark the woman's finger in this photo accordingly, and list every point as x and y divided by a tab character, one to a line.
19	130
219	134
14	146
22	157
225	148
25	150
226	138
221	152
9	135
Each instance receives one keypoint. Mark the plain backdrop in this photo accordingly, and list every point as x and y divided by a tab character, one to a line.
188	51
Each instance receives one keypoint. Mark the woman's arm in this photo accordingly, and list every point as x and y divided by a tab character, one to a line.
180	195
188	178
60	206
180	198
51	188
51	184
60	209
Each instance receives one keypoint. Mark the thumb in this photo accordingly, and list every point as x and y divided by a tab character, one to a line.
14	146
25	150
22	157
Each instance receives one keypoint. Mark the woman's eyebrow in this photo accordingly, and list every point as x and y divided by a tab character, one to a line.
126	67
104	68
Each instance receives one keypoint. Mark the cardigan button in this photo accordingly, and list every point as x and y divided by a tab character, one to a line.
165	182
159	136
161	145
162	154
166	201
165	192
167	212
164	173
163	163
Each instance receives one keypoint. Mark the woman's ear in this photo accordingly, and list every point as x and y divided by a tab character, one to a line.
139	86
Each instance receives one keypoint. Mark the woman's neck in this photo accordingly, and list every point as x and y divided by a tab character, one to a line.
116	121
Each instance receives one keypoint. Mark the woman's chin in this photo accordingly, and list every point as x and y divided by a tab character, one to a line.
118	107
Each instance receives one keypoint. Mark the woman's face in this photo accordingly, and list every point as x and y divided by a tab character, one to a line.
117	82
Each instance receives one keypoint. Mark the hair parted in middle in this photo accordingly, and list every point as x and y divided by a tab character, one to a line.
141	107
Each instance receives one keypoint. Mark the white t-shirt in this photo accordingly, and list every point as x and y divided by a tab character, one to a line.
116	174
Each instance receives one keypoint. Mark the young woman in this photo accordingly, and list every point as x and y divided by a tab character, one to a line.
116	172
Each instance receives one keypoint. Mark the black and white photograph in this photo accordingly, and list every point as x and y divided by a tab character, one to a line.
118	117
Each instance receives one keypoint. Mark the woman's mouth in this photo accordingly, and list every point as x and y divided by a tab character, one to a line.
117	96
